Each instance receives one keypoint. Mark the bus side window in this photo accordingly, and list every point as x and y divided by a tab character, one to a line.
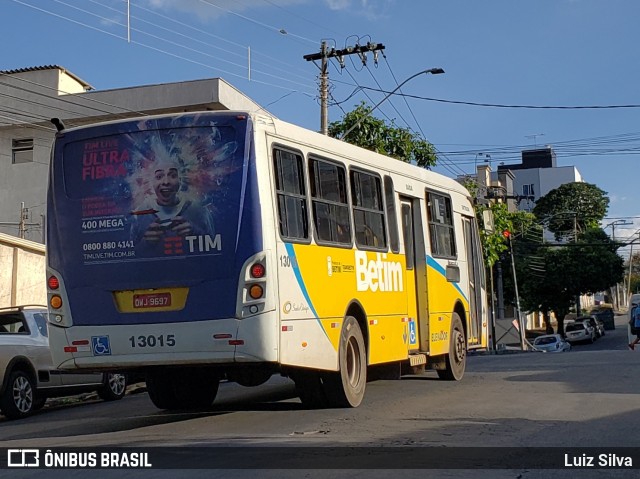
392	217
441	232
368	211
407	233
329	202
292	200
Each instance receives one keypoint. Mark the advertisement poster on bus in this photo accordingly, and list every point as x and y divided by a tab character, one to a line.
155	189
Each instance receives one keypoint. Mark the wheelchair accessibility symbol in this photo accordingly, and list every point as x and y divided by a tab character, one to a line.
412	333
100	345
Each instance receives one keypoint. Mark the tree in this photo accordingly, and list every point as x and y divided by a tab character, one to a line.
514	222
542	284
587	264
374	134
578	206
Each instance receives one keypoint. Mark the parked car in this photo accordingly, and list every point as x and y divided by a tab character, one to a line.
551	343
579	331
27	376
604	312
595	323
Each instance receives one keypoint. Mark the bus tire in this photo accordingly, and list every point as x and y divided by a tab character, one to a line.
182	389
161	390
346	387
310	389
456	360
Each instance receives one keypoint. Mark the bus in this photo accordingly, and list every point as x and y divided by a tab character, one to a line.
203	247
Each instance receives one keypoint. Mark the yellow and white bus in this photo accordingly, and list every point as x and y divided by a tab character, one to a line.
231	246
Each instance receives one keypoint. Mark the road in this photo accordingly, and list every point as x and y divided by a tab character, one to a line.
589	397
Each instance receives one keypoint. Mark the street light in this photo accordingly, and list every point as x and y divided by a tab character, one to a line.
433	71
613	227
475	161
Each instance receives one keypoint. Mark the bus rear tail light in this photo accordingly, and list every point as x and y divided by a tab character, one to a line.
53	282
254	296
256	291
55	301
257	270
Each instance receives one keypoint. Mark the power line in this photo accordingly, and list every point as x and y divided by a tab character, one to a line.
500	105
244	47
158	49
281	31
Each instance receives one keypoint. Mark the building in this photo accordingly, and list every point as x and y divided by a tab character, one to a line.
537	175
22	272
520	186
32	96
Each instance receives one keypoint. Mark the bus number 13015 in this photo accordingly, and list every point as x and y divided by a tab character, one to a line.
151	341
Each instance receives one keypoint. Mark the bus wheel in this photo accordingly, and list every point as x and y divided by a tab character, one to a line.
161	390
346	387
190	388
456	360
309	389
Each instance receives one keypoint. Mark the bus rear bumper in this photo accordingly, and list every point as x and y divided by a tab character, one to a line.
214	342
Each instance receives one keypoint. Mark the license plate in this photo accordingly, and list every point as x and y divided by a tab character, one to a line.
151	300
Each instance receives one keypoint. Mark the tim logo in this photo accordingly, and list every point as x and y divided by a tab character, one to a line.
173	245
23	458
100	345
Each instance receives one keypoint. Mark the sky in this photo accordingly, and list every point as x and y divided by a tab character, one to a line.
518	74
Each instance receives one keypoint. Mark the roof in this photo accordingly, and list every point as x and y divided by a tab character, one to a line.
85	85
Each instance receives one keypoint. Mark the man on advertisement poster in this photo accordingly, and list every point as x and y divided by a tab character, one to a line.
165	219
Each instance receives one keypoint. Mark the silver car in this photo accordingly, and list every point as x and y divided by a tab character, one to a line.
551	343
579	331
27	376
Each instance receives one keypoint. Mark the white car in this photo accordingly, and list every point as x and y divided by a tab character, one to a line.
579	331
551	343
27	376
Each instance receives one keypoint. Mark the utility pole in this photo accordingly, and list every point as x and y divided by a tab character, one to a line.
324	55
22	224
617	295
575	240
23	220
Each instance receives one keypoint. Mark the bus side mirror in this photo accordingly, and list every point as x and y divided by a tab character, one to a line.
453	273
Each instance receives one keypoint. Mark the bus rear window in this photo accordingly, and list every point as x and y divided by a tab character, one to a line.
159	188
124	165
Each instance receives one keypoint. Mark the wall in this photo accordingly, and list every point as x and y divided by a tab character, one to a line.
22	272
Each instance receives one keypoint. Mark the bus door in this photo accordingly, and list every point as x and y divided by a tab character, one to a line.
476	283
416	274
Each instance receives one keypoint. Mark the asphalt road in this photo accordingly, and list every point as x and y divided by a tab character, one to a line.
589	397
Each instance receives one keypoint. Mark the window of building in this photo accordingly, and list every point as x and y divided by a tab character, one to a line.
291	194
329	202
441	232
527	190
22	151
368	210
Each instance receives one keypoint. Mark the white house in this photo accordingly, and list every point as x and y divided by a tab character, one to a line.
538	174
